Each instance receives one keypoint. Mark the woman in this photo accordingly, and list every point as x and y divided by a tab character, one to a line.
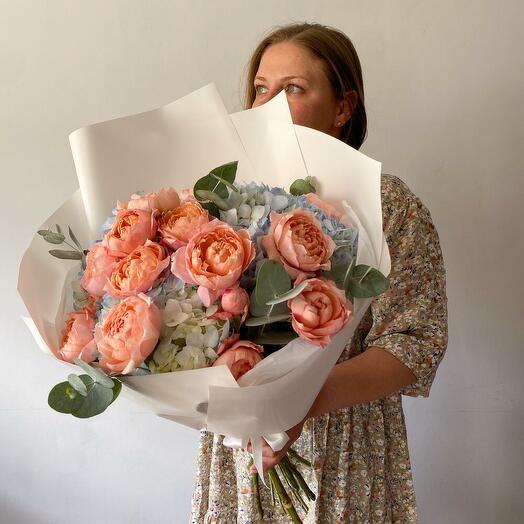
355	431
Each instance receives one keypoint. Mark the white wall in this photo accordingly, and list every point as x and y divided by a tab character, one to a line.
444	81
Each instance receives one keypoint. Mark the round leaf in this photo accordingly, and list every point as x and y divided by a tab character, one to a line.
367	282
96	401
78	384
64	398
272	281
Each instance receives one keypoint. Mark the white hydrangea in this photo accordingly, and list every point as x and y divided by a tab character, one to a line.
189	339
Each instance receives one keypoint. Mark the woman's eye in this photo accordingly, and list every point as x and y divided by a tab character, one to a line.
293	88
260	89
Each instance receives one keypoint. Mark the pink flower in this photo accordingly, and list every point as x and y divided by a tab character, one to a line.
77	336
137	272
235	301
164	200
328	209
238	355
99	266
214	258
132	227
320	311
178	225
128	335
297	241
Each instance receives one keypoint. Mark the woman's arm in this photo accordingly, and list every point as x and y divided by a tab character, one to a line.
372	375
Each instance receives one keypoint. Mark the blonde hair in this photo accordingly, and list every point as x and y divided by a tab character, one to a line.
341	65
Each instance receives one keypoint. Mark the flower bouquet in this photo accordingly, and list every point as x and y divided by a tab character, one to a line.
208	280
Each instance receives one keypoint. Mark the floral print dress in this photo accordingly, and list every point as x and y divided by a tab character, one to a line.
362	471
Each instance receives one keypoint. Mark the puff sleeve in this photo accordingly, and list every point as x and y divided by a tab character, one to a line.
410	318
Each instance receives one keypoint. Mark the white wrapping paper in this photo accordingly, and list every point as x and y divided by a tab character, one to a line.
174	146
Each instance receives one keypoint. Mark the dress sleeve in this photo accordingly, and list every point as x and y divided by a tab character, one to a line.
410	318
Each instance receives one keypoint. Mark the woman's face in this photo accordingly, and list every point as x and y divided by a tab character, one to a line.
309	93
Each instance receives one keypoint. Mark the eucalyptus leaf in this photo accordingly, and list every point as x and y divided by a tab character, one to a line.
209	195
78	384
64	398
302	186
53	238
97	375
272	281
292	293
43	232
117	388
261	310
366	282
212	182
65	254
261	321
74	239
96	401
211	208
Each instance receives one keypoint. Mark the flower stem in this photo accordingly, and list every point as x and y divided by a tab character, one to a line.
302	483
292	453
287	505
256	488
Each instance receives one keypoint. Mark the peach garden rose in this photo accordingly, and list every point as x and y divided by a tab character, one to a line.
214	258
77	336
99	266
178	225
163	200
320	311
238	355
128	334
137	272
297	241
131	228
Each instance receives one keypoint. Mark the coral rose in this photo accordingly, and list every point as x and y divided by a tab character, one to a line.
320	311
164	200
238	355
297	241
77	336
99	266
178	225
128	334
328	209
132	227
137	272
214	258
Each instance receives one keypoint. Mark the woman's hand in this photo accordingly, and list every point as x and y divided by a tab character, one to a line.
271	458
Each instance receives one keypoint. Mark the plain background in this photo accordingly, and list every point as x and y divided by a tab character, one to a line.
444	83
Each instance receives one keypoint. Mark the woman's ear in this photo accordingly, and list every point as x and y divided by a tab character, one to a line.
346	107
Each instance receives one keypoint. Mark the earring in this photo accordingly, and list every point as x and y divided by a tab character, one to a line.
339	124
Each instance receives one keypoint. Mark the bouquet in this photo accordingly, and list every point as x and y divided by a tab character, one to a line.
208	281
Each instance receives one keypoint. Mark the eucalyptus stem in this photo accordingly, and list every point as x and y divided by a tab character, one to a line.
256	488
287	504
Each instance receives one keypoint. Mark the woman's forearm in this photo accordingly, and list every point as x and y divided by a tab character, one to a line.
372	375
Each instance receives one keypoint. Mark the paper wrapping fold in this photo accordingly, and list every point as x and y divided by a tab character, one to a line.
174	146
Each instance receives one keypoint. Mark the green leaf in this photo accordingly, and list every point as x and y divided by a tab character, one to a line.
292	293
302	186
202	194
231	187
66	255
260	321
212	182
74	239
261	310
59	229
96	374
53	238
43	232
78	384
272	281
366	282
117	388
211	208
96	401
64	398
